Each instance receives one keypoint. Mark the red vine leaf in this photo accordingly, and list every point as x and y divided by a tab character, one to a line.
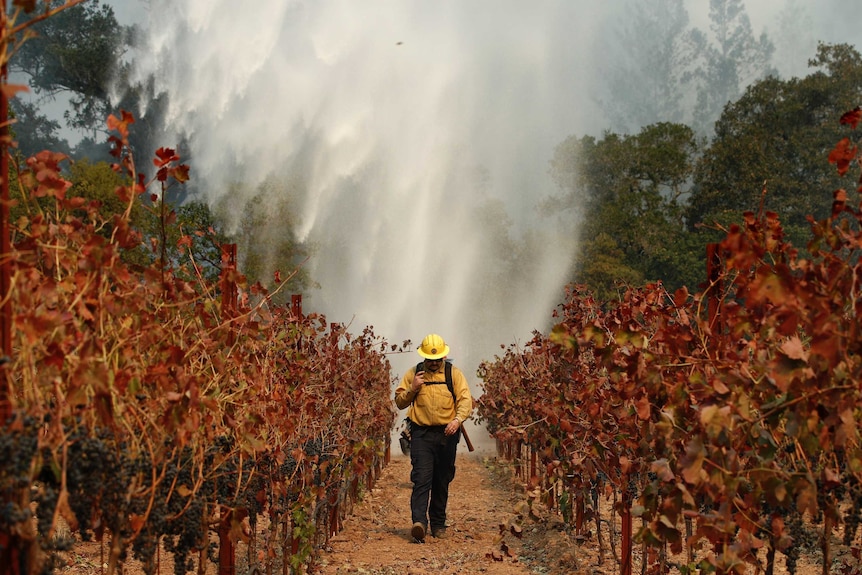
121	124
843	153
643	408
662	469
181	173
10	90
830	478
136	522
852	117
794	349
27	5
165	156
692	461
806	497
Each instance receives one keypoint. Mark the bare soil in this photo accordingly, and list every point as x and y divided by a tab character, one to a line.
376	538
491	527
486	500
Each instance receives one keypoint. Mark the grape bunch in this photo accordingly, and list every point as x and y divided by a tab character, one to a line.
853	514
18	451
804	541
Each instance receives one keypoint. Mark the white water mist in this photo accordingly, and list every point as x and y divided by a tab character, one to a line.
411	130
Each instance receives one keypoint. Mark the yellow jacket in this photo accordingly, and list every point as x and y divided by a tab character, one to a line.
434	404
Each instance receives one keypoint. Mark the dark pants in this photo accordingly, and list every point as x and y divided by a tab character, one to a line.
432	454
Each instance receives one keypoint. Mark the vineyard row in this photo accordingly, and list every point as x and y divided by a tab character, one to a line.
726	421
150	409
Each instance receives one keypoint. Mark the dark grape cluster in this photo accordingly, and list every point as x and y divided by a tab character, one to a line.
18	447
46	493
256	498
91	466
313	447
287	475
187	535
176	516
18	450
853	514
804	538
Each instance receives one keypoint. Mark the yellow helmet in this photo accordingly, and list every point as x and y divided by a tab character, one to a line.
433	347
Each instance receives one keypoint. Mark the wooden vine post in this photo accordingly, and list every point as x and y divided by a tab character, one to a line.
579	512
532	464
5	242
713	276
626	530
12	560
226	548
228	285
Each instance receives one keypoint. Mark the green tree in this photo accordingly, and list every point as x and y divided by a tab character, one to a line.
651	62
98	181
733	59
603	267
794	36
34	132
187	238
266	239
193	238
629	192
774	139
76	53
207	236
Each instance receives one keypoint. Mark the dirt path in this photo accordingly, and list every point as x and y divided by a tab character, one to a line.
376	540
484	495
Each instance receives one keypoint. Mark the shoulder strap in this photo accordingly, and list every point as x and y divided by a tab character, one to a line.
448	371
449	383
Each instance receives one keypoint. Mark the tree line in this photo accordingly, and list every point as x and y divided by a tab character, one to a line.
702	128
651	201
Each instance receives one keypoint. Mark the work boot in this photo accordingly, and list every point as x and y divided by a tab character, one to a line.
418	533
439	533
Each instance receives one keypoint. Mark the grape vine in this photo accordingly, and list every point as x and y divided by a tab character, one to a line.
740	430
149	413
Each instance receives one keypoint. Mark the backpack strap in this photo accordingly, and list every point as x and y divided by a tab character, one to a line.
449	381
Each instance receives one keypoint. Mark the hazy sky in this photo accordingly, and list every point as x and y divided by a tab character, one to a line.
396	120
